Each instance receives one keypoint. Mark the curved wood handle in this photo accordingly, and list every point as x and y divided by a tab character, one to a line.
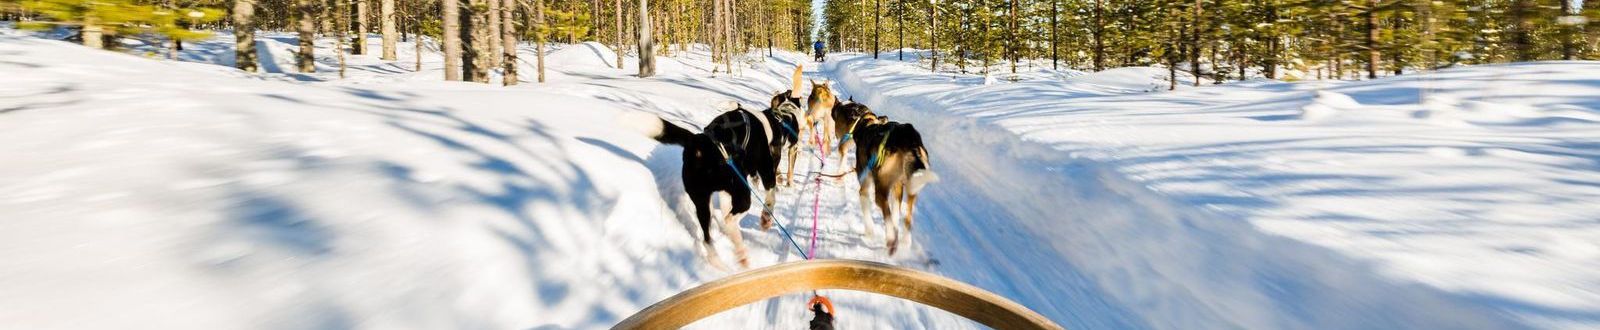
748	287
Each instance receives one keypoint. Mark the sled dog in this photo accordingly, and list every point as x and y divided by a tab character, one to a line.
892	162
746	139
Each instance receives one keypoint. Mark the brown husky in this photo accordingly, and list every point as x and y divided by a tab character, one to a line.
818	107
847	118
891	161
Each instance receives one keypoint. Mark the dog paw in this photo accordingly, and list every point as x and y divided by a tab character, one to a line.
766	221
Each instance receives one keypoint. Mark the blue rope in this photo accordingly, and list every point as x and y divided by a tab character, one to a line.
787	128
862	177
764	203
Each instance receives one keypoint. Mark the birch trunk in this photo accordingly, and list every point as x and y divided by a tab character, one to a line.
452	40
390	33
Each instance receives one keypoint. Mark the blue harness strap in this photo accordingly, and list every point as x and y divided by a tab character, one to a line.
729	160
871	162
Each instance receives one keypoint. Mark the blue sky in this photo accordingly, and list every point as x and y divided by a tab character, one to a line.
816	16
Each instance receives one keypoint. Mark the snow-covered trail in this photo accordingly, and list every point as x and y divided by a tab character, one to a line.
1092	249
143	188
392	200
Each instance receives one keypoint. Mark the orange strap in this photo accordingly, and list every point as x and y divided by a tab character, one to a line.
825	303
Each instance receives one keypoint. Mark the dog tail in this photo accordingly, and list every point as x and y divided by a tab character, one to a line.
798	70
922	171
655	127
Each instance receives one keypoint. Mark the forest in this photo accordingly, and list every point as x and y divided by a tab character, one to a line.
475	36
1224	39
1217	40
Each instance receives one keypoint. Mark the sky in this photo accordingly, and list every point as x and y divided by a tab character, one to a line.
816	16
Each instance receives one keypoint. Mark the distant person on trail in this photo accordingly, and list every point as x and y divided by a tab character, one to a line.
818	46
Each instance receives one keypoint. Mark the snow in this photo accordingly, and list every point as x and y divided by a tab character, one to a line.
147	188
384	200
1477	183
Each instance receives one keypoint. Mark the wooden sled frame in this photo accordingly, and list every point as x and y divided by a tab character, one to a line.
740	289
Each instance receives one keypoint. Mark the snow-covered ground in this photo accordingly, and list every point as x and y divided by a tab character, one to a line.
135	189
139	188
1481	183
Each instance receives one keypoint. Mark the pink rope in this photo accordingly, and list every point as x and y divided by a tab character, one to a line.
816	200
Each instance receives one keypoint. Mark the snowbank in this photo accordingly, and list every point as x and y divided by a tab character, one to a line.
1452	209
152	189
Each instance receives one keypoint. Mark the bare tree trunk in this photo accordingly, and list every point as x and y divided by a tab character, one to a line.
387	23
172	45
1172	47
418	55
172	48
305	60
647	43
340	27
1569	33
1338	61
1011	29
478	58
900	27
728	37
1274	43
1521	30
877	12
508	38
619	33
1372	39
1216	73
1397	57
1099	35
538	34
963	23
244	34
594	18
1194	41
452	40
933	34
94	37
359	42
1055	59
770	20
492	31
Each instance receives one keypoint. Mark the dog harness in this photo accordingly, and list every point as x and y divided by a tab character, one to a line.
744	117
875	156
781	110
852	131
739	174
765	127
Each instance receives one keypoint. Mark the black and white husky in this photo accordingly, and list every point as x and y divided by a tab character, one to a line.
753	141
